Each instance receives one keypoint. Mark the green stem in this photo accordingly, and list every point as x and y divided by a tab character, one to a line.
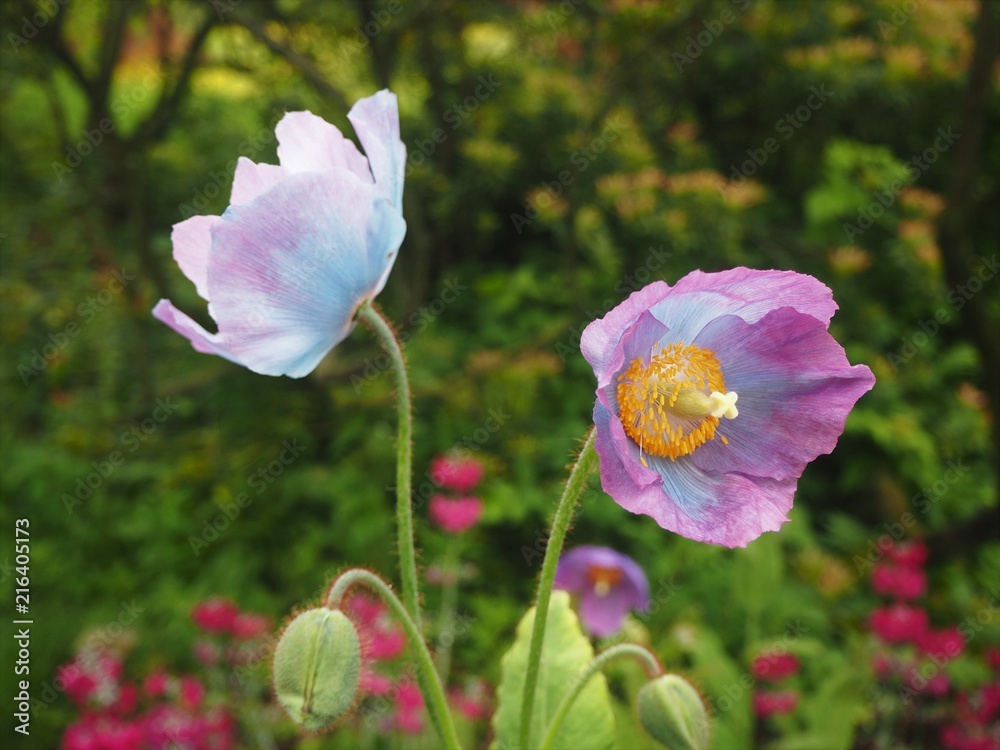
585	464
430	684
649	662
373	318
449	601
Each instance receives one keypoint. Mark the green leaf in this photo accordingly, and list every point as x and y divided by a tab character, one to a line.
565	654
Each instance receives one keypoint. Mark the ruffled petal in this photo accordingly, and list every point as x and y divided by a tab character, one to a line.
635	585
637	341
201	340
603	615
192	240
289	269
376	121
601	337
730	509
699	298
795	389
616	451
307	143
250	180
571	572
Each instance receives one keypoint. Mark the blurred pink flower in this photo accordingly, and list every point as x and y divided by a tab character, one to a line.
909	554
774	667
78	684
899	623
882	666
409	708
944	645
964	737
192	692
90	676
455	516
98	732
768	703
207	653
250	625
459	473
473	701
926	678
156	684
127	699
982	705
897	580
215	615
373	683
382	638
992	657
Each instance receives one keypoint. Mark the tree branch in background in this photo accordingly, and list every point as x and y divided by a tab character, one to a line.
956	238
302	63
156	125
111	47
51	36
956	226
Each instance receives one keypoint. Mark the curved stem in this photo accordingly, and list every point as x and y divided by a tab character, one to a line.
645	657
429	682
373	318
585	463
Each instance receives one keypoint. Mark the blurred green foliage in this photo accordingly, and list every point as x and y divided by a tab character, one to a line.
561	155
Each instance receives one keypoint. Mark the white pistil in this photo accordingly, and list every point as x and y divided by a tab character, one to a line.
723	405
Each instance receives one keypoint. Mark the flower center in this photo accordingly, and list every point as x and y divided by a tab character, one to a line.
672	405
603	578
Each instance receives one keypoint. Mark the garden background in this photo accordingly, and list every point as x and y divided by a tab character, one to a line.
560	156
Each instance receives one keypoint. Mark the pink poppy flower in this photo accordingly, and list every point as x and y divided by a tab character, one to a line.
671	363
455	516
301	246
608	583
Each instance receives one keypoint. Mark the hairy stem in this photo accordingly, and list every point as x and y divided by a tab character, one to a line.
373	318
630	650
585	464
430	684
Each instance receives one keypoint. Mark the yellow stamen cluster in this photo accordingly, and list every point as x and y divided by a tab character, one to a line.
603	579
672	405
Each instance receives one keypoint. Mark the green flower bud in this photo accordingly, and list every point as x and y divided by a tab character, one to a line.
317	664
672	712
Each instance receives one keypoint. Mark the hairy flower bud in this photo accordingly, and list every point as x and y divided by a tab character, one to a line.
317	665
672	712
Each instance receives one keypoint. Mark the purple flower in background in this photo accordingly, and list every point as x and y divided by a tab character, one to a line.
301	246
608	583
670	364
